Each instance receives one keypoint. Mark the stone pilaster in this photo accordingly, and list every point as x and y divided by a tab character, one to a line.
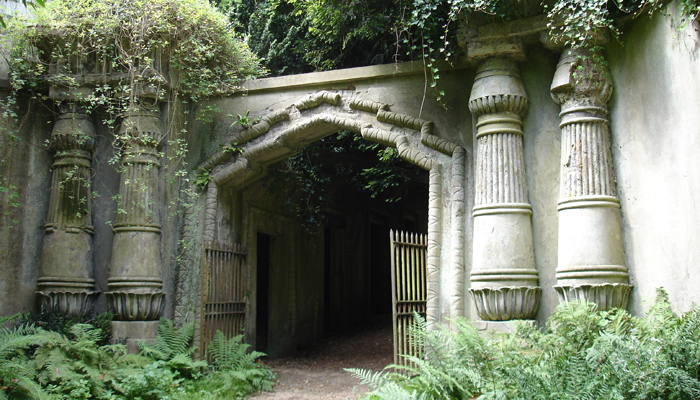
135	283
503	279
591	262
66	276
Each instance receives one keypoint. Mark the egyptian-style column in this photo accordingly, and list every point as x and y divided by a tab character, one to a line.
591	255
503	279
135	283
66	277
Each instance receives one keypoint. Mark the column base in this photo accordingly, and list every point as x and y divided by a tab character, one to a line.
76	303
507	303
489	328
605	296
133	332
134	306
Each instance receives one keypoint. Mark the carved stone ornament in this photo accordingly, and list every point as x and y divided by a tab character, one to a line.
507	303
606	296
76	303
66	276
591	262
132	306
504	279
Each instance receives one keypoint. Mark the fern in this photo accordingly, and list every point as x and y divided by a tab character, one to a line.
77	368
235	368
16	374
581	354
170	341
373	379
232	354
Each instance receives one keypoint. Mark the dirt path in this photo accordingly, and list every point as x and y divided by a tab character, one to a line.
318	374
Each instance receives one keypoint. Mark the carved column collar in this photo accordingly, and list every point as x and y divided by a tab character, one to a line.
581	79
498	88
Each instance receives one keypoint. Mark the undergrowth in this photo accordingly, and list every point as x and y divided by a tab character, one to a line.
582	353
36	363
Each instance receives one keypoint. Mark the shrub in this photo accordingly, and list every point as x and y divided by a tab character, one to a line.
53	319
582	353
39	364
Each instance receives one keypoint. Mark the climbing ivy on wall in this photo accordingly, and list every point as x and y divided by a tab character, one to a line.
111	56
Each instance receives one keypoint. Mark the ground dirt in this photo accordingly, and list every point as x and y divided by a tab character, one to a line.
318	373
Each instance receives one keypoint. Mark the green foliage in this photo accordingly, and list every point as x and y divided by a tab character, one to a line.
690	10
245	120
186	43
172	347
371	169
77	367
53	319
15	372
232	354
581	354
235	369
111	56
40	364
202	180
295	36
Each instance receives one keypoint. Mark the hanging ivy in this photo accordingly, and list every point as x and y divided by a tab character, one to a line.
121	56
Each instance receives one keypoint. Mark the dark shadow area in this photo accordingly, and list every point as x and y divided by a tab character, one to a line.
342	195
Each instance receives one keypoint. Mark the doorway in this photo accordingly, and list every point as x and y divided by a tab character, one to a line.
262	324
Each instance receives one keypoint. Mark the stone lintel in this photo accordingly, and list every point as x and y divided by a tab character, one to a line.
493	39
58	93
343	79
523	28
512	47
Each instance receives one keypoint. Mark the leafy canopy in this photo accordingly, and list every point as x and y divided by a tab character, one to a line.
183	45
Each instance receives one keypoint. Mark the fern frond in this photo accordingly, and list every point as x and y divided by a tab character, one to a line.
368	377
232	354
170	341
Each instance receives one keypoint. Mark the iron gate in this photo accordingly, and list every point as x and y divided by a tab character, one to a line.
408	288
223	291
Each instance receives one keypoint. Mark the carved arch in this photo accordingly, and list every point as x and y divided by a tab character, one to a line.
282	133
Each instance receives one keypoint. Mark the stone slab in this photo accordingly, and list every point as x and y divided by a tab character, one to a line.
134	332
488	328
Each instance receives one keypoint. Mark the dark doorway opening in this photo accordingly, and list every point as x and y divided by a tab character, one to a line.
263	291
380	271
339	198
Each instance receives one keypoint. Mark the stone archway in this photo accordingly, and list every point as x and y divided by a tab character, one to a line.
282	133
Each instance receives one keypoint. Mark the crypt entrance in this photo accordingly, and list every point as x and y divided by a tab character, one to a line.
335	282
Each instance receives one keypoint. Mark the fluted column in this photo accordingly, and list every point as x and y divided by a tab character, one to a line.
503	279
591	262
135	283
66	276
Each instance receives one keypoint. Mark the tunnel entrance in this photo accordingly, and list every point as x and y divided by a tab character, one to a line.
322	246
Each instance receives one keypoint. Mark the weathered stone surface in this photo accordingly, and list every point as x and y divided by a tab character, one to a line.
591	253
606	296
73	302
135	282
136	306
507	303
133	333
503	277
66	275
488	329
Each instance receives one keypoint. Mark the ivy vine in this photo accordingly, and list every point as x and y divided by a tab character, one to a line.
112	57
